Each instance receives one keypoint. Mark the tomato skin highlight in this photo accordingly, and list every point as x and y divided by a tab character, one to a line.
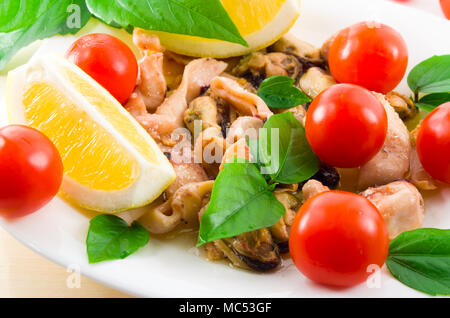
31	171
433	143
336	236
369	54
346	126
109	61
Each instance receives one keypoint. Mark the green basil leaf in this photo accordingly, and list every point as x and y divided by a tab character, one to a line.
284	150
280	92
111	238
420	259
207	19
431	76
51	22
241	202
17	14
431	101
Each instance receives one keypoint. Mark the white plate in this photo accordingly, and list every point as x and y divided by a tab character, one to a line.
172	268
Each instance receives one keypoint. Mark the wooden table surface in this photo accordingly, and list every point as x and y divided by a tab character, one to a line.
23	273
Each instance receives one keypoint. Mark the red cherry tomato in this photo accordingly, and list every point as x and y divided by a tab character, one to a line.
107	60
445	5
346	126
336	236
31	171
371	55
433	143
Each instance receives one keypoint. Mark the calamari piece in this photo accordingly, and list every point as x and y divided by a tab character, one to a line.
152	83
132	215
239	150
401	205
170	115
136	106
146	41
314	81
209	149
151	88
392	162
313	187
246	103
417	174
189	200
245	83
244	127
187	172
160	219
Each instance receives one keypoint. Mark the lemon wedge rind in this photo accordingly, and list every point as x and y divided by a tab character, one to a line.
269	34
152	176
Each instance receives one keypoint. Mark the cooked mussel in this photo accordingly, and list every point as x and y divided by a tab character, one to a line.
289	44
256	249
403	105
280	231
258	66
314	81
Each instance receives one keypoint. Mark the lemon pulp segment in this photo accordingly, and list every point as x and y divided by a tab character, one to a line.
262	14
76	135
120	122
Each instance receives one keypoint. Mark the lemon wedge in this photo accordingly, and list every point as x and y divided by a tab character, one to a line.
261	23
111	164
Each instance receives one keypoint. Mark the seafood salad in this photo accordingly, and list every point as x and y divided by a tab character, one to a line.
264	146
221	96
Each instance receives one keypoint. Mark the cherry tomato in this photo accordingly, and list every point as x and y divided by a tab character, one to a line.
107	60
336	236
371	55
31	171
445	5
346	126
433	143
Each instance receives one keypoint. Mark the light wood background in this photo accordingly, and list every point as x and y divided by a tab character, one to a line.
23	273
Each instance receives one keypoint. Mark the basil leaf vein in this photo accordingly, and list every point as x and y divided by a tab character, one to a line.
431	76
241	202
207	19
280	92
420	259
431	101
110	238
17	14
296	162
51	22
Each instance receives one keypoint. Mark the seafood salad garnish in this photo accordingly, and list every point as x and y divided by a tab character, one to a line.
264	146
